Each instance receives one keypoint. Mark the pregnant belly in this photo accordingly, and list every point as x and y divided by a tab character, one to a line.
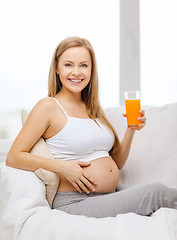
103	170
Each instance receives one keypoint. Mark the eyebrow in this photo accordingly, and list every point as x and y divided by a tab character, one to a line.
80	62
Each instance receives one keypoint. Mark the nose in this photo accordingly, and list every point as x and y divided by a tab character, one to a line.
76	71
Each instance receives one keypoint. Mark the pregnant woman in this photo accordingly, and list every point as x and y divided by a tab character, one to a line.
86	149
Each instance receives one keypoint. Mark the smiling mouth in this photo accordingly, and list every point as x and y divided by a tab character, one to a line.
75	80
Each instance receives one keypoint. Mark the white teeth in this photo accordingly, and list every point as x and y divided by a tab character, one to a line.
75	80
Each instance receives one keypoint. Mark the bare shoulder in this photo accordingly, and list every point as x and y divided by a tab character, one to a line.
44	106
35	125
46	103
41	112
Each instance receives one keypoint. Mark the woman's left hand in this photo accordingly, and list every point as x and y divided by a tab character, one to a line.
142	119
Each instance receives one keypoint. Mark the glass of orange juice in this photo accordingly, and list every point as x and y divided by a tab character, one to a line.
132	104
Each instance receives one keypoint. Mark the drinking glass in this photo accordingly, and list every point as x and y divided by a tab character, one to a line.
133	107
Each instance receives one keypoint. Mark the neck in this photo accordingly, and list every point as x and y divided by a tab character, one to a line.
70	96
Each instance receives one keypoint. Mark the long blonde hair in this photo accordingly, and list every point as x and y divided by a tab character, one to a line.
90	92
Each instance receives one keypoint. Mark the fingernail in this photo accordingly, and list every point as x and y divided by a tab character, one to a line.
93	190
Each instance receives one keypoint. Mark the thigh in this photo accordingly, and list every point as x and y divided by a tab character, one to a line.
133	199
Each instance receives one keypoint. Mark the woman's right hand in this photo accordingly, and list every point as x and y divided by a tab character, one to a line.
74	173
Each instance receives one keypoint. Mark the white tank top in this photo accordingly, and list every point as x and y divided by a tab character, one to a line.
81	139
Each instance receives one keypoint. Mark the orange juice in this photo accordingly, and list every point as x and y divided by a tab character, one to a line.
132	110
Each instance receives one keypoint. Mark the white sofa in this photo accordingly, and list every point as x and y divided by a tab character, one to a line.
26	215
4	148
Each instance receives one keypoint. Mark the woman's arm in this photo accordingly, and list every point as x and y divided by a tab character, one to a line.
120	157
36	124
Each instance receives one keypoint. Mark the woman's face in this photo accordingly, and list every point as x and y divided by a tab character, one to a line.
74	68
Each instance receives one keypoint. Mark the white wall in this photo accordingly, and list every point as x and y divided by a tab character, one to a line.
29	34
158	38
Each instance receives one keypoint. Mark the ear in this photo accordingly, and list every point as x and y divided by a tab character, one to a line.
57	71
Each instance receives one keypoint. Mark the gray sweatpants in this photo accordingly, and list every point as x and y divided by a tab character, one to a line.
143	199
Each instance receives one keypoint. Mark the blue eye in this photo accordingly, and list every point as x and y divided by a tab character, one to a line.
68	65
84	65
